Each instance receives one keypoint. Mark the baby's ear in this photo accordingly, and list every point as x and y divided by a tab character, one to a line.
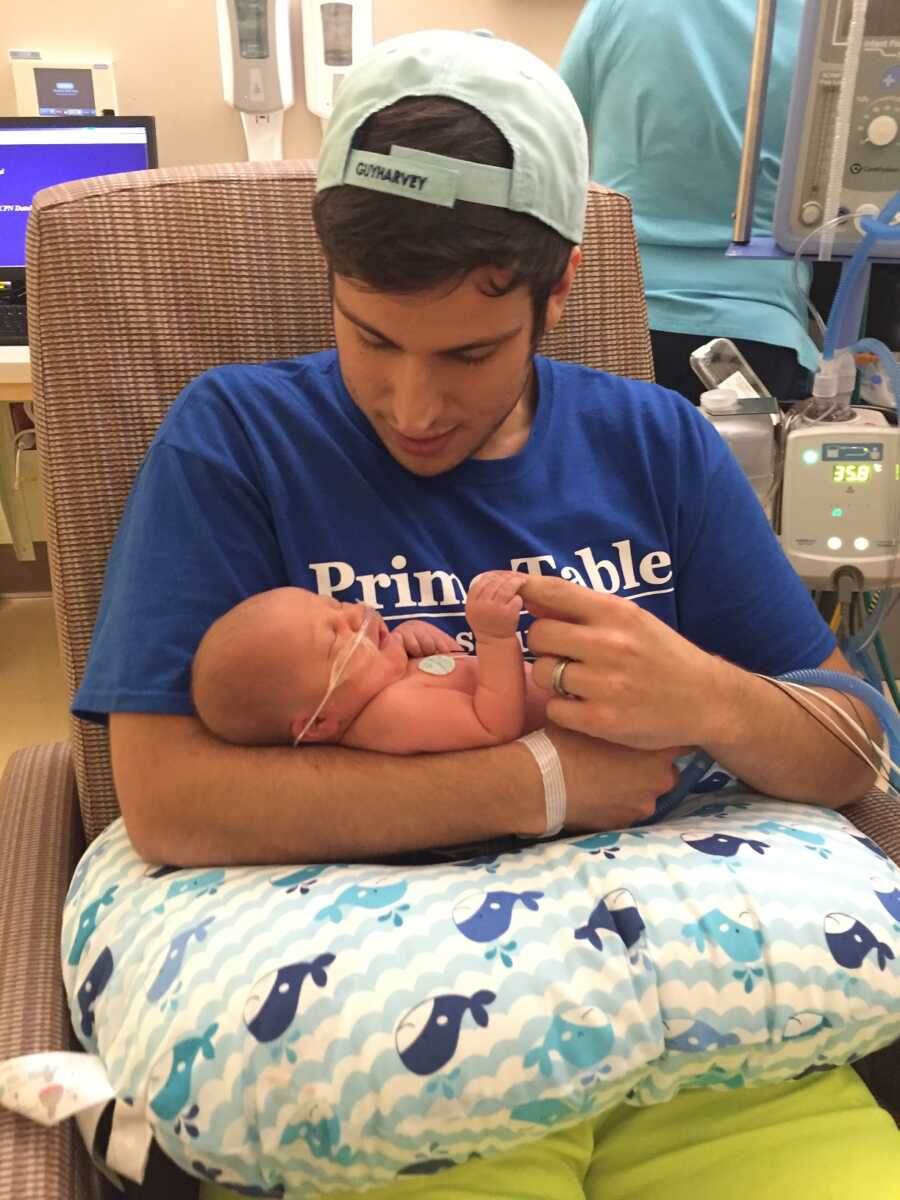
325	728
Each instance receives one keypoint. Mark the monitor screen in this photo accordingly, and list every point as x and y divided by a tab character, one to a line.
64	92
37	152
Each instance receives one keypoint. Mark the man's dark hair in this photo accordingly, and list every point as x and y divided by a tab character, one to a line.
393	244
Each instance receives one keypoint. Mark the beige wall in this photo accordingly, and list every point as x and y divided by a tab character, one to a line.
193	124
142	38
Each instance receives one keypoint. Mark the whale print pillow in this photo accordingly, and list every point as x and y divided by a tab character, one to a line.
324	1028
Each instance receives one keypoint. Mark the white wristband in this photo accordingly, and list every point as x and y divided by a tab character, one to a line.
547	759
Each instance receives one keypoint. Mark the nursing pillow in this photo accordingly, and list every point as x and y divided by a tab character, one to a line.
321	1028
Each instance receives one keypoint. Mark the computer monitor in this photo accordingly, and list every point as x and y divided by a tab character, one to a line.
37	152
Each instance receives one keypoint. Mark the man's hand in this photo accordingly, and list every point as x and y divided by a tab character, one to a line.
639	683
420	638
494	604
607	786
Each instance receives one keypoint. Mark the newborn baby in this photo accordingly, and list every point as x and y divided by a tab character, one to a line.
275	670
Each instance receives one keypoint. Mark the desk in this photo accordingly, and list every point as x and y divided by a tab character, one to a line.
15	387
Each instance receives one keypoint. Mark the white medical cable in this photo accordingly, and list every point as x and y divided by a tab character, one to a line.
886	761
842	120
25	439
883	616
829	723
795	273
791	688
854	725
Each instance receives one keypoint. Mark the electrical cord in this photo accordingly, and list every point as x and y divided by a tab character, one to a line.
867	690
791	689
888	673
798	253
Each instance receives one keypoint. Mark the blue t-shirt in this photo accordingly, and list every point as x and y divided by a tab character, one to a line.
662	87
265	476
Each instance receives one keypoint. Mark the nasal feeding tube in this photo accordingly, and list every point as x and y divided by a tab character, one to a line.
339	669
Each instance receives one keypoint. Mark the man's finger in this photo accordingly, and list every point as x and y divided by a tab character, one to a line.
548	595
559	639
577	716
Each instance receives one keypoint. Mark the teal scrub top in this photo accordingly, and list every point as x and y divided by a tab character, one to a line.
662	87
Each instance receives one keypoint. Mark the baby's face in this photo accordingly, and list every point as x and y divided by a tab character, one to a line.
379	658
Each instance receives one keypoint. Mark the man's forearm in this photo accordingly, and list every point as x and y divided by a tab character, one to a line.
190	799
767	739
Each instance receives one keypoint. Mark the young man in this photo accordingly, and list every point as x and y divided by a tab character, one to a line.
432	446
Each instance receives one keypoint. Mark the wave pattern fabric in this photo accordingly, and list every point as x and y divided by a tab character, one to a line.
324	1028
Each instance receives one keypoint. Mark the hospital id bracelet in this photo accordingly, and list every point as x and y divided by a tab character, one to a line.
547	759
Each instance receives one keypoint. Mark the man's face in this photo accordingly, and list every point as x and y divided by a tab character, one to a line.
441	375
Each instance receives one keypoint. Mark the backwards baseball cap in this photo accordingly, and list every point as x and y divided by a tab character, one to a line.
522	96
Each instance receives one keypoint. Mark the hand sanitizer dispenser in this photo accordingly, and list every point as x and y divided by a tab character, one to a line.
257	78
335	36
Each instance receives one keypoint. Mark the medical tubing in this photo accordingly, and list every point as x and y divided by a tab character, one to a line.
887	670
842	121
700	763
862	664
690	776
889	364
817	705
877	612
871	696
795	270
876	230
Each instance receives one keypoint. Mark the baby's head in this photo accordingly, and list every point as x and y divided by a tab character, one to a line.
263	668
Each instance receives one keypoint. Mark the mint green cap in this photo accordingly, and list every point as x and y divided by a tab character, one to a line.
525	99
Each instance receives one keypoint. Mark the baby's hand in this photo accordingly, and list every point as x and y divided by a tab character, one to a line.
494	604
420	639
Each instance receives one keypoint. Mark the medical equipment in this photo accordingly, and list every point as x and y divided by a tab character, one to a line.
842	143
875	385
339	668
750	425
840	505
719	364
56	89
335	36
257	78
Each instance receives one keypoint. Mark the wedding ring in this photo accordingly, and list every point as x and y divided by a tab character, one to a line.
556	680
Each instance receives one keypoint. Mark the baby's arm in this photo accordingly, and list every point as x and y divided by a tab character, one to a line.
492	608
421	638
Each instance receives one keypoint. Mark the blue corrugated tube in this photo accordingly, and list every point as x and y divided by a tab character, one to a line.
700	763
877	229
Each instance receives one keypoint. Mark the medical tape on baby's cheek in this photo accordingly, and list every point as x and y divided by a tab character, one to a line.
339	670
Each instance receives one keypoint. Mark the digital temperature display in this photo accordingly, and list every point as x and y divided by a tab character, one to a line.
849	472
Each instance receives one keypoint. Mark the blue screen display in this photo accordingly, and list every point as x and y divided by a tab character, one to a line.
30	161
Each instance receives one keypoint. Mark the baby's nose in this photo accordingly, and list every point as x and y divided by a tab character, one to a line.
355	613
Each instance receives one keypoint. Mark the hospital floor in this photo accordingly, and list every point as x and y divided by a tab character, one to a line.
33	705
